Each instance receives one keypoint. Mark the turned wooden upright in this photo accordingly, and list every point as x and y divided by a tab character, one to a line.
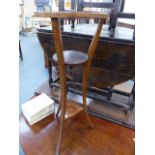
68	109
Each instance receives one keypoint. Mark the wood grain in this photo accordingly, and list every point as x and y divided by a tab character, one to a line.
105	138
72	57
72	14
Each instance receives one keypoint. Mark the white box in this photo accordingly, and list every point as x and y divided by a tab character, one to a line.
38	108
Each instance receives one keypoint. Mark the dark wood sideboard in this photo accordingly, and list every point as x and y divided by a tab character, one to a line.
114	59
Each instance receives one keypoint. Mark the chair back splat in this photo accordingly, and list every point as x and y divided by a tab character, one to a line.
68	109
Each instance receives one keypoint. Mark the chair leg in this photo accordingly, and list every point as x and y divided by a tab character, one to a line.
50	73
58	148
110	92
131	102
20	52
57	113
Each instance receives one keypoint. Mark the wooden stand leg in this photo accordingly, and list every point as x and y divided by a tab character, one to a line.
87	116
85	109
58	148
91	51
84	93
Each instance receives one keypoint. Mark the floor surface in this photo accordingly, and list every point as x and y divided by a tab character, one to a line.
32	72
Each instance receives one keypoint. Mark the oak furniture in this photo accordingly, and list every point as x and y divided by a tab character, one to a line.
63	58
112	63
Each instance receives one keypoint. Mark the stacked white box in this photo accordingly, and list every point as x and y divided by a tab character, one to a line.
38	108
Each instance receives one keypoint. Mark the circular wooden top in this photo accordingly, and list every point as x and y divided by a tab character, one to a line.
72	57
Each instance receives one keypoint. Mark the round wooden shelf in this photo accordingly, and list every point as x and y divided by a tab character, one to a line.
72	57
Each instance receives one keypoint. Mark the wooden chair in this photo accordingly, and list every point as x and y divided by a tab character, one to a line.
114	7
68	109
127	25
